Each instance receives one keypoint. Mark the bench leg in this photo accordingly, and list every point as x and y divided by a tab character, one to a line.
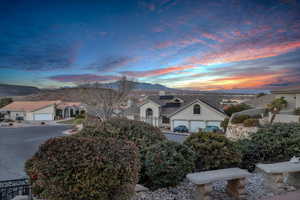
202	192
236	188
294	179
275	181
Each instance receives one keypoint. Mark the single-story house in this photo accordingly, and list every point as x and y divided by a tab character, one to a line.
41	110
194	111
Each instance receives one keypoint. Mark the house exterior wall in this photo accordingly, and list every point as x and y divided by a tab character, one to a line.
14	114
297	100
47	110
156	113
207	114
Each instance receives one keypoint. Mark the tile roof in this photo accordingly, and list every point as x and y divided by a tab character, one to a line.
68	104
210	100
28	106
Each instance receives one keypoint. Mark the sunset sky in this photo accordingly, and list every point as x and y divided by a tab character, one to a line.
194	44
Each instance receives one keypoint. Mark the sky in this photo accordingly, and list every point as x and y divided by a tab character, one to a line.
188	44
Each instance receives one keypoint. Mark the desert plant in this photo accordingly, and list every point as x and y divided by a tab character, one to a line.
276	106
277	142
214	151
251	122
167	163
84	168
239	119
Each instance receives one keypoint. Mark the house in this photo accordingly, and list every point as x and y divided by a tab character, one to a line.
194	111
41	110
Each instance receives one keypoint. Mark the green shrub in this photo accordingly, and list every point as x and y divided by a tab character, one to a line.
167	163
142	134
79	121
251	122
297	111
84	168
225	123
250	154
239	119
278	142
214	151
236	108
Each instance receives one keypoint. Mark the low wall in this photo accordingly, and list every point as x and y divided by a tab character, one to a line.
284	118
238	131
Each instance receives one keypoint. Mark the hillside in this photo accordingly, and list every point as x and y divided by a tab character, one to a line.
17	90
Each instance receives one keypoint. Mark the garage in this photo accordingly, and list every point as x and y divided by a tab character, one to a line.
43	117
214	123
180	122
196	125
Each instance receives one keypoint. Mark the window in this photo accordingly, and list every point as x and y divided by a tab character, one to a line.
197	109
165	120
149	113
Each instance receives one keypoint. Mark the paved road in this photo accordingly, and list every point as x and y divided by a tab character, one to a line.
19	144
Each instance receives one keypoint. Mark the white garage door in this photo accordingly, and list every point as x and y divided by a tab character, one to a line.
196	125
218	124
181	122
42	117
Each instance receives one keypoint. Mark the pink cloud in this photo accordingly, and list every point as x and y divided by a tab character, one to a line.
212	37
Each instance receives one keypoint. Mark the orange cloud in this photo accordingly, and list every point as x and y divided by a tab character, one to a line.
243	53
157	71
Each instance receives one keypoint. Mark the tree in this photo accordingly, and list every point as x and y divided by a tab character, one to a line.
260	94
5	101
276	106
106	103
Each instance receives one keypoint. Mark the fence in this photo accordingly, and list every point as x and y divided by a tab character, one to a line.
11	188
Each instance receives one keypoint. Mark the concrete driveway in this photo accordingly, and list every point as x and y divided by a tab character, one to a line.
19	144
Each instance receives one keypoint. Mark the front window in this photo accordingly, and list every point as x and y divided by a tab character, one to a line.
149	113
197	109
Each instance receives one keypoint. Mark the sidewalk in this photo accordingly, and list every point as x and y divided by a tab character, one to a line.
288	196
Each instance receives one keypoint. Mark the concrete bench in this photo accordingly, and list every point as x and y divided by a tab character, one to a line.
235	177
279	175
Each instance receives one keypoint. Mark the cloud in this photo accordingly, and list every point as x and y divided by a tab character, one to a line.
156	72
111	63
212	37
80	78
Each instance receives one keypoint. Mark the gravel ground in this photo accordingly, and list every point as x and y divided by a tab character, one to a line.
184	191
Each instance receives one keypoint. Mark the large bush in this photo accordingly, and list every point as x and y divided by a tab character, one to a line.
214	151
297	111
142	134
236	108
239	119
278	142
251	122
167	163
84	168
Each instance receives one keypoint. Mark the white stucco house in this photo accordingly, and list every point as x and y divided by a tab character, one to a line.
194	111
41	110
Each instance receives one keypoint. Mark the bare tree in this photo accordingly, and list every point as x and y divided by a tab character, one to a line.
106	103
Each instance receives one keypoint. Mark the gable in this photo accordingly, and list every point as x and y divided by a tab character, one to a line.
207	113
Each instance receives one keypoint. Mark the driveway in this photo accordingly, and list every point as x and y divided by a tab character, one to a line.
175	137
19	144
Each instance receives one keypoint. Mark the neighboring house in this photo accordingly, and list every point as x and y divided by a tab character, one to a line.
194	111
41	110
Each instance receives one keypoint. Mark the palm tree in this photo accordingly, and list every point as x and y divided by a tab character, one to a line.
276	106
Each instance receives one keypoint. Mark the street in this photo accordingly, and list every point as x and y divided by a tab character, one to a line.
19	144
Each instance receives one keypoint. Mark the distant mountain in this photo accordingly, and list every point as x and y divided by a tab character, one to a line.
137	86
242	91
17	90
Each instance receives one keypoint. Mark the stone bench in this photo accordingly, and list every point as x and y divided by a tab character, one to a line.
279	175
235	177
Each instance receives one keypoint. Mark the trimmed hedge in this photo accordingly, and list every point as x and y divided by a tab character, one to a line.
251	122
83	168
167	163
239	119
214	151
278	142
